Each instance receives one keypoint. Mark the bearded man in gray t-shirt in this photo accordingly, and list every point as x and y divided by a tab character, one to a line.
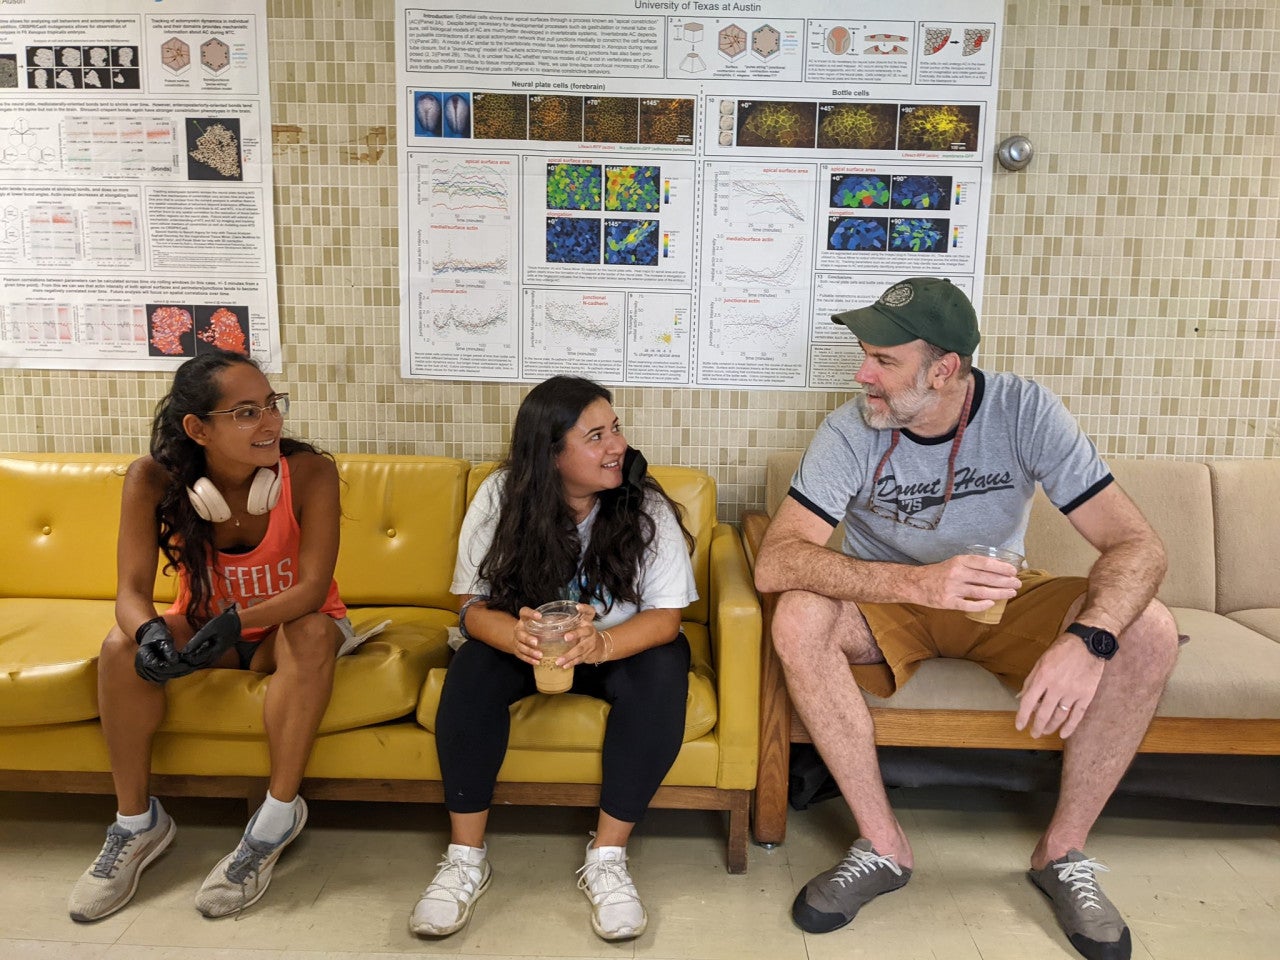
933	457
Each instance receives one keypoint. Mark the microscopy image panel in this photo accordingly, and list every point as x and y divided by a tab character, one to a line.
213	148
500	116
939	127
776	123
428	114
666	121
857	233
222	328
631	242
457	114
611	120
918	234
124	78
857	126
921	192
573	240
859	191
8	69
633	189
169	331
573	186
553	117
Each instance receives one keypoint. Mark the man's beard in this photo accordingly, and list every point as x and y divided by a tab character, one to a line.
903	408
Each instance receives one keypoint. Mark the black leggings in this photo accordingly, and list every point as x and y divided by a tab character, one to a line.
643	734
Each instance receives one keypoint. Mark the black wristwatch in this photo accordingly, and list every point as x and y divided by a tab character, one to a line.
1101	643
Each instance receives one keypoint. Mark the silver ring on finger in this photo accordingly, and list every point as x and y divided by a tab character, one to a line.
1063	706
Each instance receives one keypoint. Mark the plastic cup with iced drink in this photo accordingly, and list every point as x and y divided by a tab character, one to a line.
559	617
996	611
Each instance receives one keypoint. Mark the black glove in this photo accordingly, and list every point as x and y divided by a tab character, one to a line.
156	659
212	640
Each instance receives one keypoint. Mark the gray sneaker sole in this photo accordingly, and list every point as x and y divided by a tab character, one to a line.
160	848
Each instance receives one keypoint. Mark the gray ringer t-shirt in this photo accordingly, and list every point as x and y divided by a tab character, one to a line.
1019	434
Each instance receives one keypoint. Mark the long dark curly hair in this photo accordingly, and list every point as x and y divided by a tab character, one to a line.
536	551
186	539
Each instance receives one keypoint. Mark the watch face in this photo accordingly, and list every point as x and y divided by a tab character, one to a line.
1103	643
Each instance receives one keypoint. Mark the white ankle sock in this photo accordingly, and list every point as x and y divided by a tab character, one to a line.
138	821
274	819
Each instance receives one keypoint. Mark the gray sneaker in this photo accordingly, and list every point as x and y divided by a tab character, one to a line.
242	876
833	898
112	880
1092	923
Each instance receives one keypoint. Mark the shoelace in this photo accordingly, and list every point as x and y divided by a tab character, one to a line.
857	862
452	875
604	878
109	859
1079	874
246	863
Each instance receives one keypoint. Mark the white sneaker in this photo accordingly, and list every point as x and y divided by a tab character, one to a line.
242	876
616	910
445	906
112	880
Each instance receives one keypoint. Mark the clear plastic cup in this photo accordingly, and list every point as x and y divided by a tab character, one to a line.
995	613
558	618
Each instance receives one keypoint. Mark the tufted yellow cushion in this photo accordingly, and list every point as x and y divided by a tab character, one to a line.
379	682
571	722
401	517
59	525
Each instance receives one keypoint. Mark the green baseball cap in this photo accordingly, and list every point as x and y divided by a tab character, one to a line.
921	308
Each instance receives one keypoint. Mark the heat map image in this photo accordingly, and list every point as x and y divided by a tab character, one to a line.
632	189
573	186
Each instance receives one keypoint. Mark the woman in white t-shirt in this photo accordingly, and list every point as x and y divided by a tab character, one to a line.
571	514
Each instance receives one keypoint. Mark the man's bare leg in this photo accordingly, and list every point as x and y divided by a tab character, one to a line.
817	638
1096	756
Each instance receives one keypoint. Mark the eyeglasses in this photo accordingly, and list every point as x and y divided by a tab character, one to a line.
248	415
910	520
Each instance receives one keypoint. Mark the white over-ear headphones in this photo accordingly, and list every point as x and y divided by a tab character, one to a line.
264	493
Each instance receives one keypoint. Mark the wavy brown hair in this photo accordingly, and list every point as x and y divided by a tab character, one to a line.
536	551
186	539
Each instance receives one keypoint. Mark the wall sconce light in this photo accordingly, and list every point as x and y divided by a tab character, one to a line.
1014	153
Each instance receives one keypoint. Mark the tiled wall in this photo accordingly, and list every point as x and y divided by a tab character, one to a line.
1132	267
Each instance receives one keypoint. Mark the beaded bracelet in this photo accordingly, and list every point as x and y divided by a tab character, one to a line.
462	615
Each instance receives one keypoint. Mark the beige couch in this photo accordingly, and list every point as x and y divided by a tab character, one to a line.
1220	522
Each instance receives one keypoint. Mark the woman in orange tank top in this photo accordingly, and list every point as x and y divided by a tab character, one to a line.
249	520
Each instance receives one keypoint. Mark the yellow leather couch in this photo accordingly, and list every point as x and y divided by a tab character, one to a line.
401	517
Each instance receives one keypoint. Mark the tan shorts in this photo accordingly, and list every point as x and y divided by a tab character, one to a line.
908	634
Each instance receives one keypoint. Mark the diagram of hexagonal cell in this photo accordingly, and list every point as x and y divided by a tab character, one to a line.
175	54
215	55
692	62
733	41
765	41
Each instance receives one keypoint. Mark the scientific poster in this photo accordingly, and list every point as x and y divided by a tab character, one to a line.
661	192
136	226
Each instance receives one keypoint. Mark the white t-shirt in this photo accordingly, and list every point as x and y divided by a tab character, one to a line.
665	575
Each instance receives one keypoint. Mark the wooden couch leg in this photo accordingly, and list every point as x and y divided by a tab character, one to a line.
739	821
773	769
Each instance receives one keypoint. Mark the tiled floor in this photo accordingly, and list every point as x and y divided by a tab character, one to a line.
1194	881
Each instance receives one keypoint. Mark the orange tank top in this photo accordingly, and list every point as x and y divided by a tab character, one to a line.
271	567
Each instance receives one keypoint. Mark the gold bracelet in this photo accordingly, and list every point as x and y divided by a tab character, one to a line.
608	647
